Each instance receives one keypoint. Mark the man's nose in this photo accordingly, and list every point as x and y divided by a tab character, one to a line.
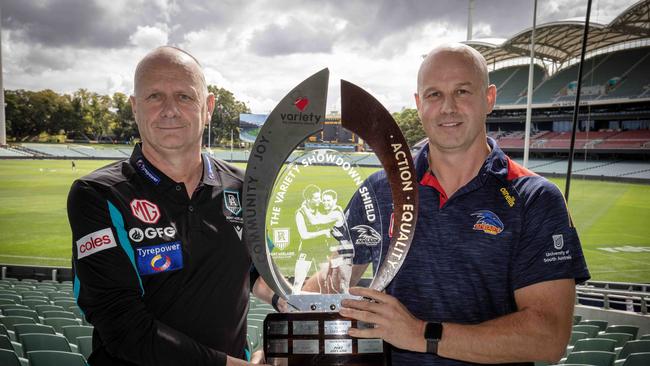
170	108
448	105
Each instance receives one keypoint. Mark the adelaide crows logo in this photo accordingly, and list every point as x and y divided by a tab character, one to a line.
488	222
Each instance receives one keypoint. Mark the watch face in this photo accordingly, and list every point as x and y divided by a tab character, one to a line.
433	331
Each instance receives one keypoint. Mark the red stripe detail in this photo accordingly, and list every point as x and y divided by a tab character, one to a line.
517	171
430	180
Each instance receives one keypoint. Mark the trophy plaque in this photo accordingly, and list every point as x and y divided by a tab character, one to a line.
298	233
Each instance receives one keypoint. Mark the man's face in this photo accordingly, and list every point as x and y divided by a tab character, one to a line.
453	102
314	200
328	202
171	107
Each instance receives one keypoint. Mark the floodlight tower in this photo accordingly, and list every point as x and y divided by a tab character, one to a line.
3	127
470	13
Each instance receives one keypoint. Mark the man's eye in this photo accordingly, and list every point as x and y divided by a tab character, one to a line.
462	91
433	94
185	97
153	96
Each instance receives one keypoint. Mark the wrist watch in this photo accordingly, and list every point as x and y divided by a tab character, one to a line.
433	334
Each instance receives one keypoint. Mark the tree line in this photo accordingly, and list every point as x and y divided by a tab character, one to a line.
85	115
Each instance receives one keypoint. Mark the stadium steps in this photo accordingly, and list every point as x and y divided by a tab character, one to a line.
597	166
32	152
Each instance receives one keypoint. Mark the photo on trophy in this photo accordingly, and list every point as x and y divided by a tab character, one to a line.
307	221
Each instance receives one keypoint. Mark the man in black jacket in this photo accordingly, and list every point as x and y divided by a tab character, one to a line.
160	267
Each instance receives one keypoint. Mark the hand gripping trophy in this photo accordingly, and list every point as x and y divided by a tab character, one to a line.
301	239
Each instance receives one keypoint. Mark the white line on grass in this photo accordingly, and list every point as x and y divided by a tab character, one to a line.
39	258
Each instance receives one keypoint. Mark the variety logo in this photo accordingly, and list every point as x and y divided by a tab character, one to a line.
488	222
137	235
159	258
301	103
95	242
231	201
145	211
366	235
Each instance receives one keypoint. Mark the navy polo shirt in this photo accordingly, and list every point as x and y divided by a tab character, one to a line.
506	229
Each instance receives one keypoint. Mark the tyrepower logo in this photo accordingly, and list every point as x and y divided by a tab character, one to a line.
95	242
145	211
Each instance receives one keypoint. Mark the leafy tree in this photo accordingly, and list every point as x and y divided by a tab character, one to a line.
226	116
409	122
125	126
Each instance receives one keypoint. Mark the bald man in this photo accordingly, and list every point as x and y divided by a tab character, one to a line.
491	273
160	269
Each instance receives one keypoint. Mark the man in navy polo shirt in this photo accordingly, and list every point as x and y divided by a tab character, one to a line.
491	273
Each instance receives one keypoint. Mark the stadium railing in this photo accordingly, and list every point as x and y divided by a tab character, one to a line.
634	301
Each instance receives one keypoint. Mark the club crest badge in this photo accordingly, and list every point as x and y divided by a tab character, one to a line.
488	222
231	201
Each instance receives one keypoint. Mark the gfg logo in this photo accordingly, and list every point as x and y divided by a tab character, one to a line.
137	235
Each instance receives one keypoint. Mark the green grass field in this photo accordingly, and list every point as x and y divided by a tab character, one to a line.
612	218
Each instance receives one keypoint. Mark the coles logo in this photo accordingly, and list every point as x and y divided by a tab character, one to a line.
145	211
95	242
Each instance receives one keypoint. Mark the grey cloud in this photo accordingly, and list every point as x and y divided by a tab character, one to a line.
295	37
39	60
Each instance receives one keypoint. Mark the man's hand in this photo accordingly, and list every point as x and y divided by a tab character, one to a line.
393	322
231	361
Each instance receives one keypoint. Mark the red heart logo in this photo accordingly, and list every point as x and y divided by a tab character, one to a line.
301	103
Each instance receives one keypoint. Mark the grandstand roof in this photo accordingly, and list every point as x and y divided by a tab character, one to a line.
561	41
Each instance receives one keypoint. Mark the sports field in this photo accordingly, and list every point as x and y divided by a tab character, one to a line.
613	219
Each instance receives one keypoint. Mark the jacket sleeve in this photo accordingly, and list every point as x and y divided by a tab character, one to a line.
109	291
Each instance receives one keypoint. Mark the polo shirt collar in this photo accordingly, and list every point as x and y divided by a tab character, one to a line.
495	164
157	178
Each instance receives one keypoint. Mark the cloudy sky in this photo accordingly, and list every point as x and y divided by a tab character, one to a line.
258	49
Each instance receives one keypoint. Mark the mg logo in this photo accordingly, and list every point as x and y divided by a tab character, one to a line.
145	211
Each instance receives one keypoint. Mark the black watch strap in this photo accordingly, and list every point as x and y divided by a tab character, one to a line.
433	334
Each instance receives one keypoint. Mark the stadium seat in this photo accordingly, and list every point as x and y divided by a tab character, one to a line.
64	303
634	347
7	301
28	293
637	359
254	337
55	358
6	343
31	303
15	297
9	358
59	314
591	330
60	295
594	358
595	344
3	307
71	332
4	331
22	312
620	338
40	309
24	287
11	321
59	323
575	336
601	324
85	345
645	337
36	297
629	329
44	342
28	280
33	328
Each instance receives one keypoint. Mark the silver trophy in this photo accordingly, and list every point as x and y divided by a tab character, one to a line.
296	226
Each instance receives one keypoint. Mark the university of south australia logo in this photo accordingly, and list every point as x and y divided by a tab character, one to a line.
488	222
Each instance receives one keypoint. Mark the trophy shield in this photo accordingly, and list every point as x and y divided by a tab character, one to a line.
297	221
